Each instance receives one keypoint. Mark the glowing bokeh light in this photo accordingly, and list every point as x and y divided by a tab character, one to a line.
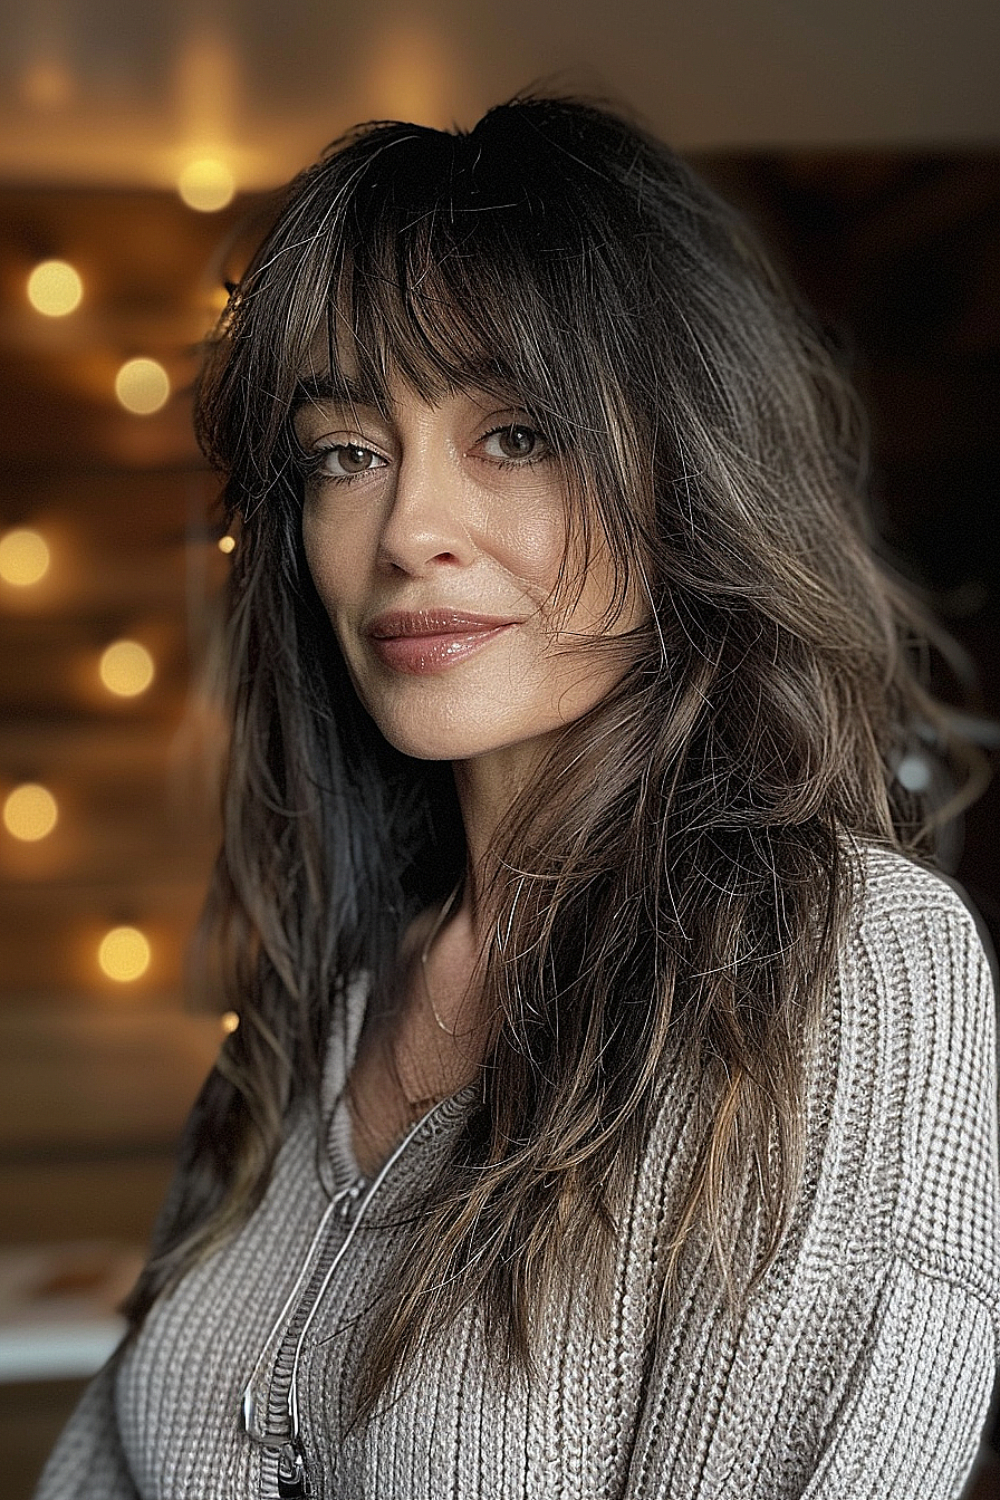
229	1022
227	543
24	557
124	954
206	185
142	386
914	772
30	812
219	299
126	668
47	83
55	288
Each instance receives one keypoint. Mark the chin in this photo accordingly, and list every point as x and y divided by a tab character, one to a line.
424	740
429	746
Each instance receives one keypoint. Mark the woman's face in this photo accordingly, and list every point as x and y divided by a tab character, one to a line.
435	540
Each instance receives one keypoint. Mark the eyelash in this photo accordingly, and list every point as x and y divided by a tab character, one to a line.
314	461
519	463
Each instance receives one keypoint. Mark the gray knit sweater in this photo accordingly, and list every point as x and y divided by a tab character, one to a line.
862	1369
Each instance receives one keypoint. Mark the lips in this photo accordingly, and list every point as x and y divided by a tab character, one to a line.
431	640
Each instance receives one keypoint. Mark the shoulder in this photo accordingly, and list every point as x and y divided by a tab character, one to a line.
914	948
910	1137
914	971
894	888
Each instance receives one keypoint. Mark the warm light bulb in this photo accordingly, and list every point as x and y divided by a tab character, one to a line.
54	288
30	812
206	184
226	543
124	953
219	299
126	668
229	1021
142	386
24	557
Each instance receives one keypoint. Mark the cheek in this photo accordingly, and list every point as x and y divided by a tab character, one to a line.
330	562
529	541
331	576
593	602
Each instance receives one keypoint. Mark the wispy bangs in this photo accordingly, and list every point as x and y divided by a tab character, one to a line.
428	256
450	275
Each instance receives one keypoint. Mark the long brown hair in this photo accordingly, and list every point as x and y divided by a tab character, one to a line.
673	889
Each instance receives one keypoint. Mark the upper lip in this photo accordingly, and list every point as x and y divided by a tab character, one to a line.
400	622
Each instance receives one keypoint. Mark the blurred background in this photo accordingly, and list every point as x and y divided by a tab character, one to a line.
138	145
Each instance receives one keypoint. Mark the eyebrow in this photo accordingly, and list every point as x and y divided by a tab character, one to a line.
334	388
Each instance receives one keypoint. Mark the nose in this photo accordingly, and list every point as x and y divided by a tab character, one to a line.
428	523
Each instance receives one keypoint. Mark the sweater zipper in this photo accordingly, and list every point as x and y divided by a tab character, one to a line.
350	1204
293	1476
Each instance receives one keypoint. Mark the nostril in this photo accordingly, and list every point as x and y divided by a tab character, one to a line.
411	559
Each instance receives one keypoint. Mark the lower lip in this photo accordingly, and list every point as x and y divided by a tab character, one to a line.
421	655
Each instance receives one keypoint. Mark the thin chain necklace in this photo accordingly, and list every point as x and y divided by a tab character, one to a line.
425	952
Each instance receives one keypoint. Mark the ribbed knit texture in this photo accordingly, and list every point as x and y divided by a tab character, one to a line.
863	1367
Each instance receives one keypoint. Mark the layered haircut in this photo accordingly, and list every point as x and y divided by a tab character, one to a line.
673	890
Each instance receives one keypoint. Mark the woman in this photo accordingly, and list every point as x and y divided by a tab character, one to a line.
612	1112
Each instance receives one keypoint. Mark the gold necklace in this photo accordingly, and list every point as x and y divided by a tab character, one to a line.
425	952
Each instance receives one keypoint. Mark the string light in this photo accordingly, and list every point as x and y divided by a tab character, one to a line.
30	812
124	954
206	185
142	386
126	668
24	557
55	288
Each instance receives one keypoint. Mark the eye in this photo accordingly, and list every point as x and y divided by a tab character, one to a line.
515	443
346	460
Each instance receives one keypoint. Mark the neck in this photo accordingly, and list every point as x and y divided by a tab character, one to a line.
487	788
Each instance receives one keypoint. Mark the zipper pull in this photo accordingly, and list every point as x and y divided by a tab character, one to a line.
350	1198
293	1480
